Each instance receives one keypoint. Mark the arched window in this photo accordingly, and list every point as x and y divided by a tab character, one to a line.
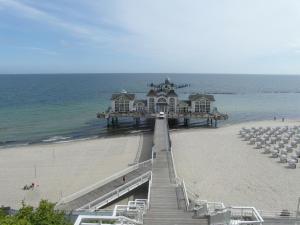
162	100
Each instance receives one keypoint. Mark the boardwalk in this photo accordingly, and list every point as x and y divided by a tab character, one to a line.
167	204
89	197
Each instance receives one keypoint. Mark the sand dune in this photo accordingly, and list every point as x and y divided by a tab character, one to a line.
61	169
219	166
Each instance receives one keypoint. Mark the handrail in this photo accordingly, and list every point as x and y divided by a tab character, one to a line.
185	195
103	182
139	151
91	217
117	190
149	191
180	181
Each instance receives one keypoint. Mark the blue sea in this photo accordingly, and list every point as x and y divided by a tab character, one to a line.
44	108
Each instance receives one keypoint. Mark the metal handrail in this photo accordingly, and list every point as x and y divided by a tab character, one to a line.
103	182
116	191
149	191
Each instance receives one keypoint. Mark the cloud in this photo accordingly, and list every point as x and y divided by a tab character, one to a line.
76	29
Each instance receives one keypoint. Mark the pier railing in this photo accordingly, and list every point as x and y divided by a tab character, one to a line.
104	181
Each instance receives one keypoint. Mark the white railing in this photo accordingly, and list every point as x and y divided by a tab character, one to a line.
114	194
139	151
278	214
180	181
104	181
149	191
132	213
239	213
103	220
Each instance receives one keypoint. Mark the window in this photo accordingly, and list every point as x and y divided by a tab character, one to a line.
122	105
172	105
197	106
207	106
140	107
202	106
151	105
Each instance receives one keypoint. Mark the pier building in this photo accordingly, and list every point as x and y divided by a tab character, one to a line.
163	98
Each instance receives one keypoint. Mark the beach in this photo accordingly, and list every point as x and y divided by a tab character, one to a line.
219	166
60	169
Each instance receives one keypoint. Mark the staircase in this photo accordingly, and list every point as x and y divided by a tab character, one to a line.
167	204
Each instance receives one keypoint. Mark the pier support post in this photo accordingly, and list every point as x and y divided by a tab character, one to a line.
113	121
107	120
207	122
216	123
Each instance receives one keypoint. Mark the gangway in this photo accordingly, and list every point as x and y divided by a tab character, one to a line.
107	190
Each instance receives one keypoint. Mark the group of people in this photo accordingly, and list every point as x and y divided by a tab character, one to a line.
282	119
29	187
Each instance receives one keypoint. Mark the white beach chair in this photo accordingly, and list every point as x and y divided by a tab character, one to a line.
292	163
275	153
283	158
267	149
281	144
258	145
289	148
294	144
295	157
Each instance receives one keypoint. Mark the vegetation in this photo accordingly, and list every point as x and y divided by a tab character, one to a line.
27	215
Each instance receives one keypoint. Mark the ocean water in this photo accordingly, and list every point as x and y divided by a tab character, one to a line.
61	107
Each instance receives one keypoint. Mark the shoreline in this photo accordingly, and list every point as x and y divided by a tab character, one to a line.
129	131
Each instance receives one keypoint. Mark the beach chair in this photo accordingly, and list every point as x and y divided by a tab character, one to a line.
275	153
294	144
295	157
267	149
289	148
281	144
258	145
252	141
283	158
292	163
297	152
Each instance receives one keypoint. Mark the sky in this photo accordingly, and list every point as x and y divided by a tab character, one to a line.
150	36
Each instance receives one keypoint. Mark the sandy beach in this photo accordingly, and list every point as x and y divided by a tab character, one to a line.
219	166
61	169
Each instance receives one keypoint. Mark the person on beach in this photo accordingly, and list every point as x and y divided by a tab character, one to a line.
282	119
274	117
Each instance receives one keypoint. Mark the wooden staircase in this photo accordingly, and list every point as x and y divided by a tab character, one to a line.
166	201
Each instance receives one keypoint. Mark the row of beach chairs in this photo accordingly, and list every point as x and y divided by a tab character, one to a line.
280	142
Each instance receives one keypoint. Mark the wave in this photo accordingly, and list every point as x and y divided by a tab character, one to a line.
56	138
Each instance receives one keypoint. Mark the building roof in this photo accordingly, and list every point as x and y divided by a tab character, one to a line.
198	96
125	95
172	93
151	93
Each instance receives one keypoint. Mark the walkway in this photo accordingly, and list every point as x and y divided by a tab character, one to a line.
89	198
167	204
